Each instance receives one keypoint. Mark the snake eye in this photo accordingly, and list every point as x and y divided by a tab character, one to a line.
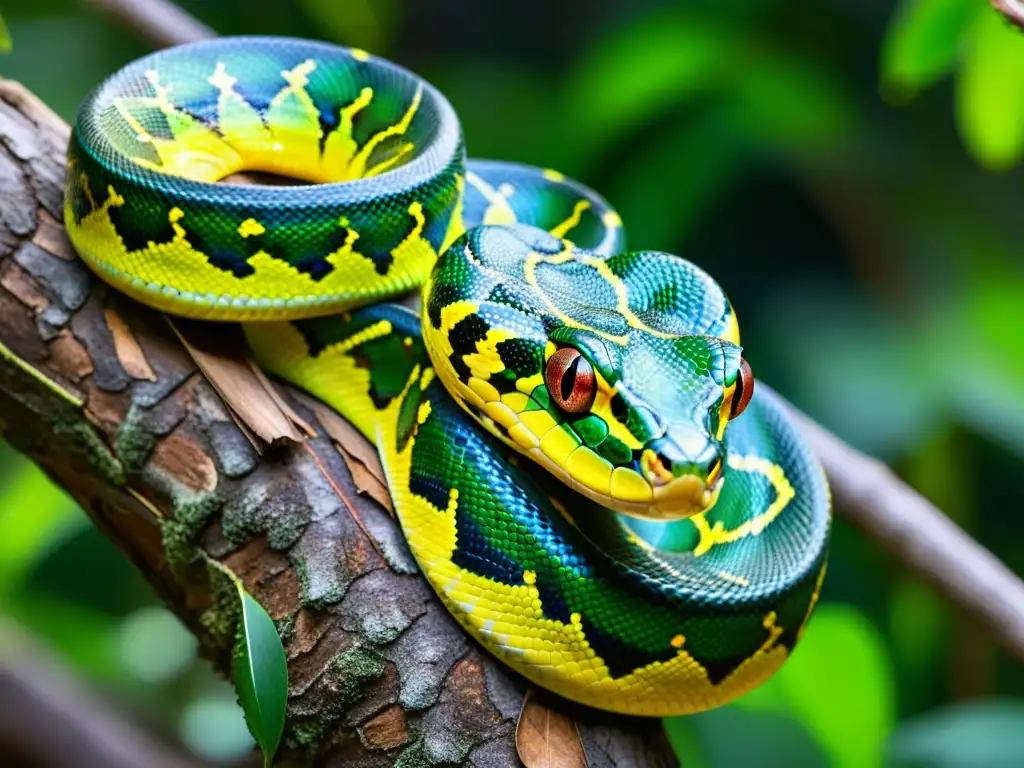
571	380
744	389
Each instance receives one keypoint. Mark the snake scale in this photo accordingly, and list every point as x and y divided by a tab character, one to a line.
577	456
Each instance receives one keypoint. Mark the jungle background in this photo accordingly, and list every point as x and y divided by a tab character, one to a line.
846	169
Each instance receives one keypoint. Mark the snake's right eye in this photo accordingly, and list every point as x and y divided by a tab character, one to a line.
571	380
744	389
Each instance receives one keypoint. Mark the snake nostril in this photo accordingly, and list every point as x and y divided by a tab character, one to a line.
666	462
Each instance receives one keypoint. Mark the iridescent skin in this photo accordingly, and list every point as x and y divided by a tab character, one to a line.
654	616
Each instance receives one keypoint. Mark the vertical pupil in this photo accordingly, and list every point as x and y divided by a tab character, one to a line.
569	378
619	408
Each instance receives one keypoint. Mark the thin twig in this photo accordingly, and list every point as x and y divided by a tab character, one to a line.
920	536
1013	10
161	22
866	492
51	719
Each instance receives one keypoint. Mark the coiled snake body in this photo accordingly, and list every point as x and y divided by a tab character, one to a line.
557	433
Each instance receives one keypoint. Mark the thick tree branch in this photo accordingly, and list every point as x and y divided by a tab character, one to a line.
866	492
100	392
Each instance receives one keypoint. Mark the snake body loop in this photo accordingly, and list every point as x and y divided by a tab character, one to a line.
561	433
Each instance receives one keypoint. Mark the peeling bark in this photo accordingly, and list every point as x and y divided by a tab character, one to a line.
103	395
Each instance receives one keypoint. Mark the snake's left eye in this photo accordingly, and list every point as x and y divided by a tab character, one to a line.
571	380
744	389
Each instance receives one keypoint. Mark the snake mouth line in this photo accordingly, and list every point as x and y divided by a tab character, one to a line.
681	498
665	498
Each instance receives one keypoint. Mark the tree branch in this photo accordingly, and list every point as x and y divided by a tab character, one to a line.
921	537
1013	10
101	393
160	22
51	719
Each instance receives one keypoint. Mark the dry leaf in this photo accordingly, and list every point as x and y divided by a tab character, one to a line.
222	356
547	738
185	461
70	356
366	482
286	409
360	457
348	437
129	353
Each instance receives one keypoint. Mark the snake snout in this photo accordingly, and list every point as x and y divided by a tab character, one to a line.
685	474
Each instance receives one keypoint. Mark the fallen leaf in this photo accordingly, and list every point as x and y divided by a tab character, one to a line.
360	456
366	482
286	409
70	356
547	738
348	437
223	358
22	287
185	461
132	358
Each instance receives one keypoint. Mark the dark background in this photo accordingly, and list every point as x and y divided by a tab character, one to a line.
845	168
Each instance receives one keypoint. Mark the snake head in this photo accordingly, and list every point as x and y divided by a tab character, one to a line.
618	375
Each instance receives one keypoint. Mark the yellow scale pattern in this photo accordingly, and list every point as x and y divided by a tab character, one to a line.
510	621
292	148
536	432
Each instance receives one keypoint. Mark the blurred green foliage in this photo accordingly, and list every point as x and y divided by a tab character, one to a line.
832	165
5	37
929	38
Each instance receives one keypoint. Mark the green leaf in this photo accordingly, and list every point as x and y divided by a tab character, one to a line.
922	43
5	37
990	91
980	734
839	685
261	674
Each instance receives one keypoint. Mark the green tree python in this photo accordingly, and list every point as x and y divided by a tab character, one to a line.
672	552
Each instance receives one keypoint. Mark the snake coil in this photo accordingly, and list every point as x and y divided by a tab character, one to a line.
672	552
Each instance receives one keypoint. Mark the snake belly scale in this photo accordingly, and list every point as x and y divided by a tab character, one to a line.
569	435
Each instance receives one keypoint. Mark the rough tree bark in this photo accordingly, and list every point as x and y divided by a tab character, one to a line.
101	393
